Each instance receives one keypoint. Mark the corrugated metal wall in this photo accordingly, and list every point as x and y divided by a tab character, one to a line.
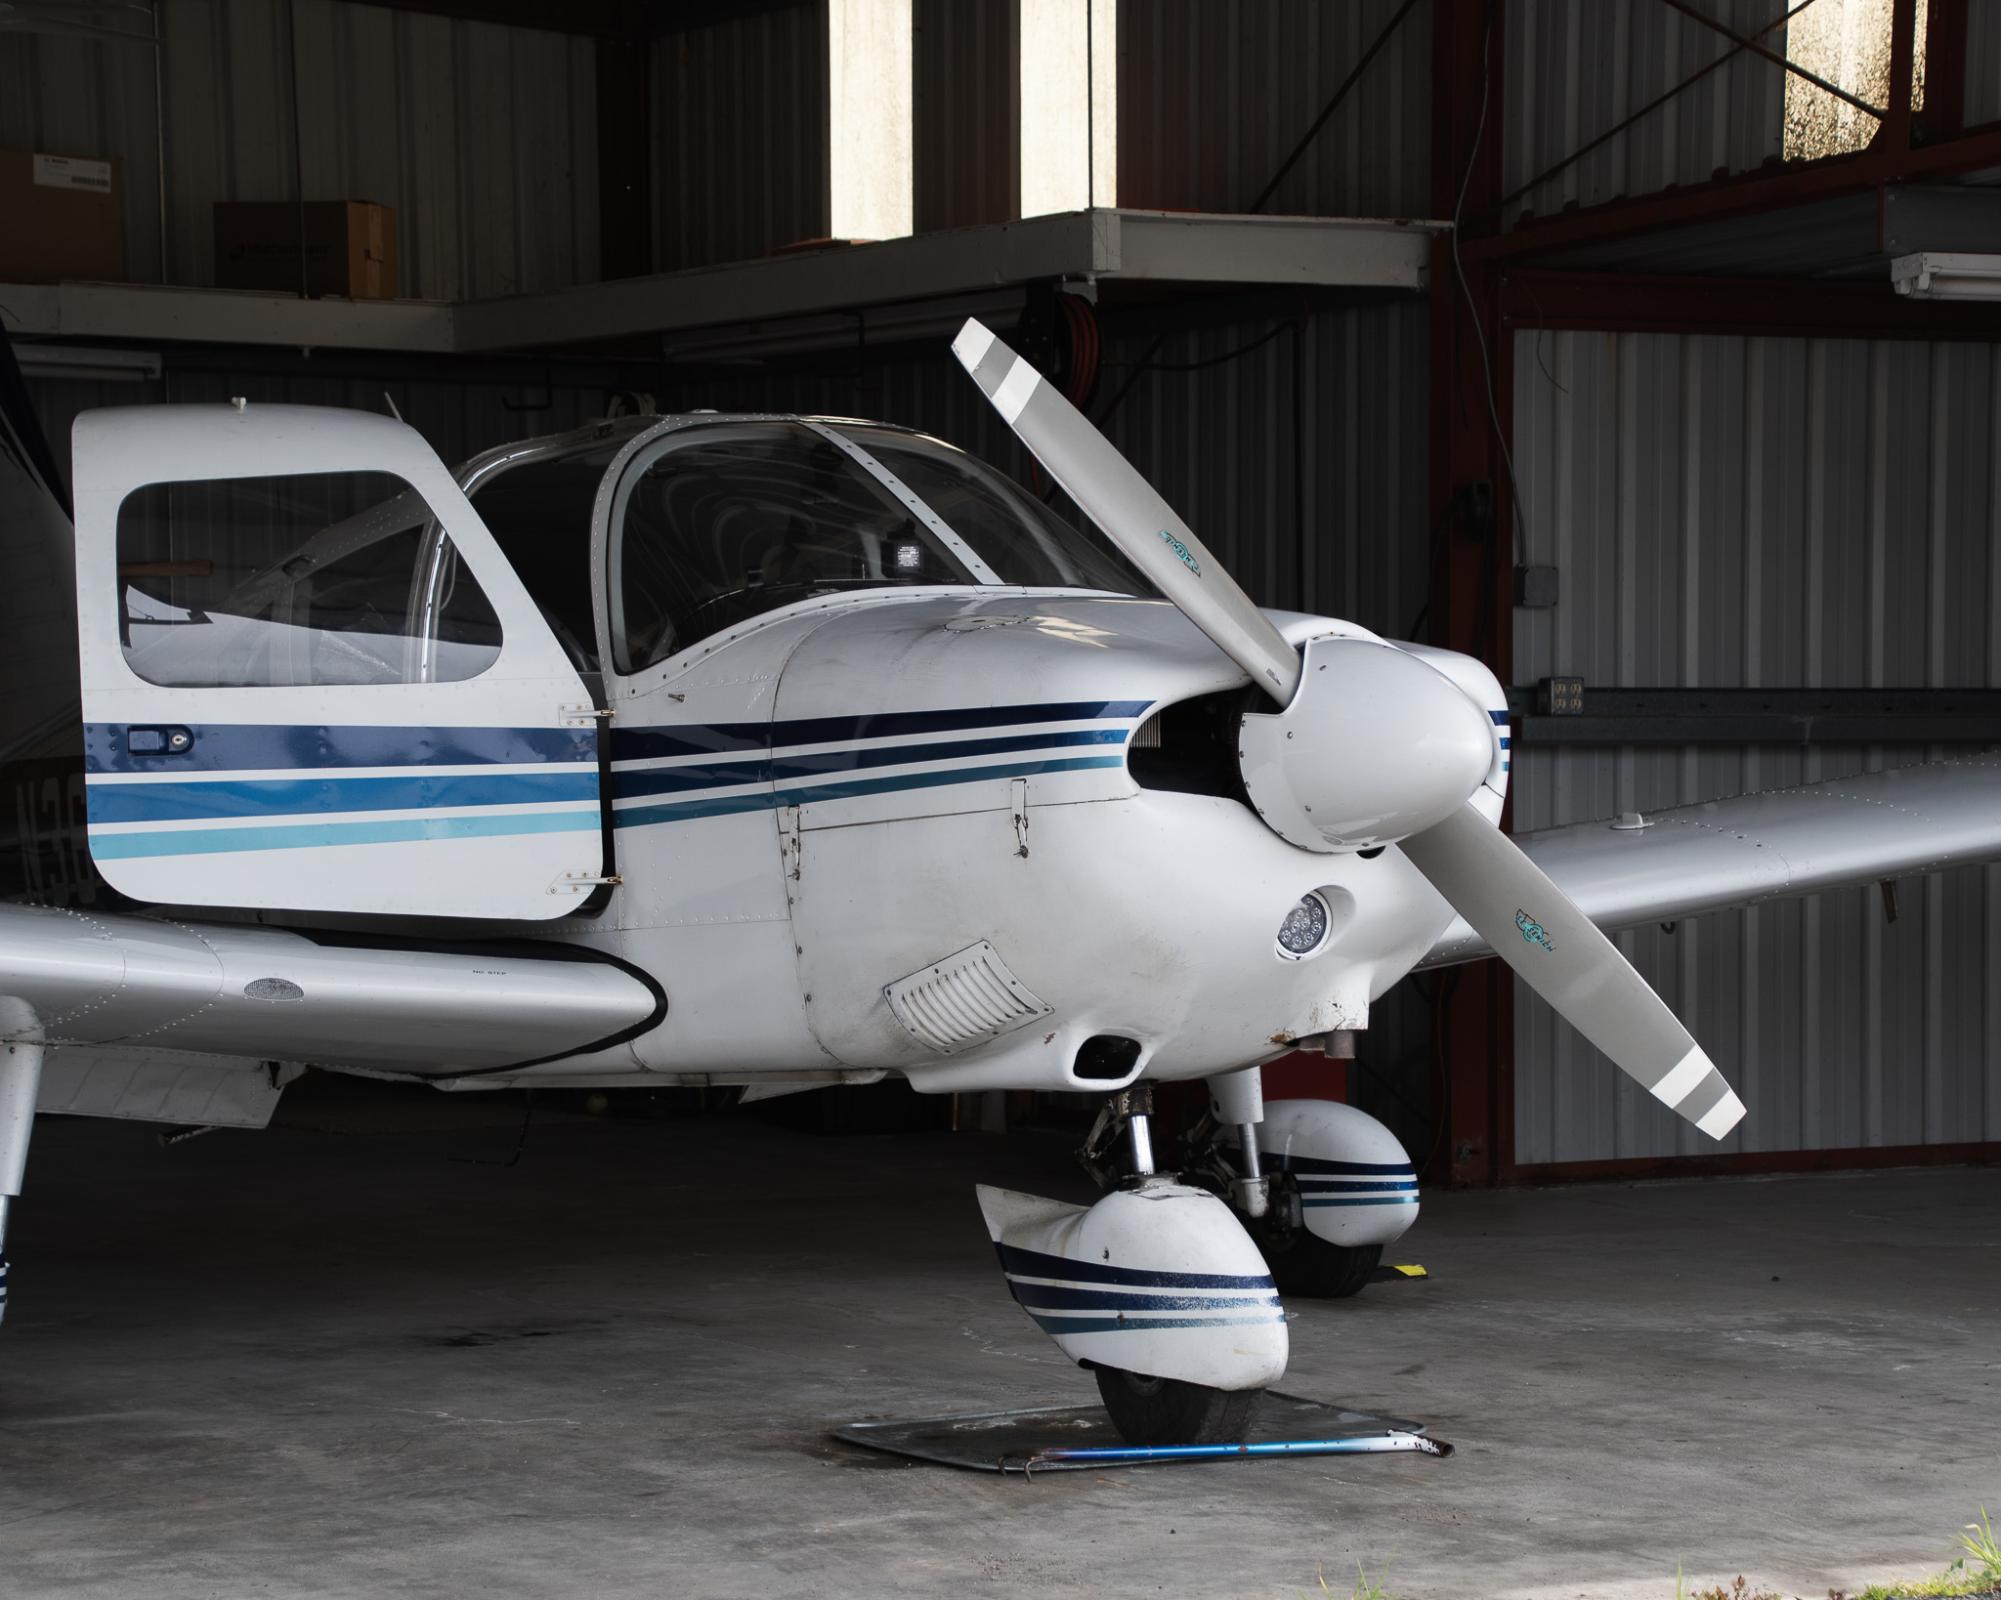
1983	64
740	145
1212	98
483	138
966	139
1768	512
69	95
1576	68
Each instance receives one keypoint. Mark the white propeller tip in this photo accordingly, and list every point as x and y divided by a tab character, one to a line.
1723	1116
973	342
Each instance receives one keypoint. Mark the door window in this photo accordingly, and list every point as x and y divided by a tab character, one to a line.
304	580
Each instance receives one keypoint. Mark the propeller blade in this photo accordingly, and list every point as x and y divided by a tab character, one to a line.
1130	511
1532	925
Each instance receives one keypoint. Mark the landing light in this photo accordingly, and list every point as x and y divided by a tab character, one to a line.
1304	929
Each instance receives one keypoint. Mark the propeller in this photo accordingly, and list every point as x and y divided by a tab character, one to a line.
1298	763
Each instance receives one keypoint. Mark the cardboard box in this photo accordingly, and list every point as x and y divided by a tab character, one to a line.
350	247
63	218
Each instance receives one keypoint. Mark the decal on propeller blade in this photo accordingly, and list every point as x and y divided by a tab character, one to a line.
1533	931
1187	557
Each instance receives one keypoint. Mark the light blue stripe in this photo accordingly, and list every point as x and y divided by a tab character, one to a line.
312	835
802	794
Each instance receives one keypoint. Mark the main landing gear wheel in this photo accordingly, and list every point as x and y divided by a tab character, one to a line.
1155	1411
1305	1265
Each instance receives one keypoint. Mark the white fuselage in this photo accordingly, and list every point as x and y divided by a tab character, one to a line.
786	856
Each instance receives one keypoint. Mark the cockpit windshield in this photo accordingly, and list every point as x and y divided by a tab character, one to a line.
718	523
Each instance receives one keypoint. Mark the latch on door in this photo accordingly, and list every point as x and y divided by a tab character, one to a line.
158	741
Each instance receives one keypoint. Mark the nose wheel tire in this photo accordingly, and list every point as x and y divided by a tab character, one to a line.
1307	1266
1156	1411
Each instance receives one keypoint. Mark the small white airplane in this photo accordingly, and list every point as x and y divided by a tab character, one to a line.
779	751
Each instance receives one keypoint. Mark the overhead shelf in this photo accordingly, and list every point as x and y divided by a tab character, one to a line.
899	282
149	314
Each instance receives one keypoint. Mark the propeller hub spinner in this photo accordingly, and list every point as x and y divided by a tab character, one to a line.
1375	745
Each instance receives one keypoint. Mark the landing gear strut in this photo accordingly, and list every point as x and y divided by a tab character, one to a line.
1156	1408
1342	1189
20	1082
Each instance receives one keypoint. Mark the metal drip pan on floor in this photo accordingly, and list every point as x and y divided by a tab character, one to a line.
1069	1438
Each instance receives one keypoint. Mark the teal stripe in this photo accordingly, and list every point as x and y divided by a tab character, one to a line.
267	799
215	841
802	794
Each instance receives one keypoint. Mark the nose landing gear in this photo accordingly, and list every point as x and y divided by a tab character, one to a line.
1156	1288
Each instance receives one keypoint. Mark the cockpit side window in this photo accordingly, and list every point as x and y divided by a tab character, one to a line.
539	513
1018	537
310	579
719	523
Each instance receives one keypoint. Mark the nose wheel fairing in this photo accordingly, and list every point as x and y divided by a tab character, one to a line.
1158	1280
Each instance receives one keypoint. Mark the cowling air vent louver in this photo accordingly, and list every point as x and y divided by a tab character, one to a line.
963	1000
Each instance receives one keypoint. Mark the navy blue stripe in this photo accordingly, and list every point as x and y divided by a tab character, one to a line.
1034	1264
1352	1169
762	769
1359	1200
726	805
250	746
700	775
883	756
168	801
634	744
1500	717
1061	1324
1355	1186
1052	1298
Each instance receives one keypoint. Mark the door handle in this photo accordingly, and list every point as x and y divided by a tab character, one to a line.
158	741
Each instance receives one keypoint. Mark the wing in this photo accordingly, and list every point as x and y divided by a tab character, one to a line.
1764	847
99	981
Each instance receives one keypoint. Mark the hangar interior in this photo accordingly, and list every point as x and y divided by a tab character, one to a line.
1646	350
1698	454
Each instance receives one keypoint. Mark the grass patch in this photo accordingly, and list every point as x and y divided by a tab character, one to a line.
1365	1588
1975	1571
1740	1590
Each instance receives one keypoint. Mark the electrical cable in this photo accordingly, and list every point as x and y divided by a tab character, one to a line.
1520	520
1207	362
1383	37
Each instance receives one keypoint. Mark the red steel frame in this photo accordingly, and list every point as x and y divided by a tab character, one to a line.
1495	279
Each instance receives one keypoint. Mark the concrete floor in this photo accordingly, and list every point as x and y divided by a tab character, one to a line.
312	1362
